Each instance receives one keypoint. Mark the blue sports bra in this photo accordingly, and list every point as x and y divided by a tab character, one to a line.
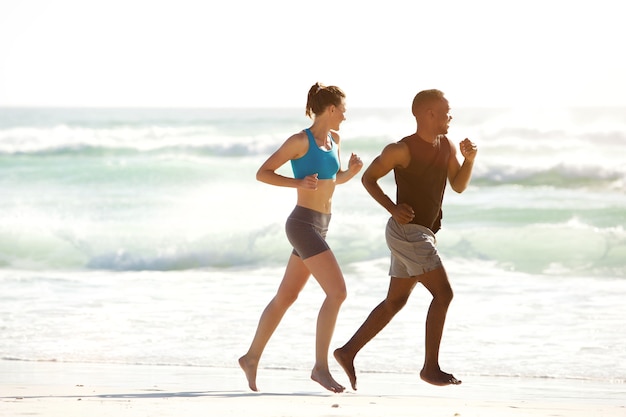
316	160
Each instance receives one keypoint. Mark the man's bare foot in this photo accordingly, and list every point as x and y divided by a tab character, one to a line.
326	380
347	363
249	368
438	377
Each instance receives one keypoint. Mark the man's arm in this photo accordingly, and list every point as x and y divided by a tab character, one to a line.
393	155
460	175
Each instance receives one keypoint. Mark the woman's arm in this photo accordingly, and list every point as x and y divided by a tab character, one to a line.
292	148
354	164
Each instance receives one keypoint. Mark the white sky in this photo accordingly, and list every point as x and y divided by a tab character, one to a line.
249	53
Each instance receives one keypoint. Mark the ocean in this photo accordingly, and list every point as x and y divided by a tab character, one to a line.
140	236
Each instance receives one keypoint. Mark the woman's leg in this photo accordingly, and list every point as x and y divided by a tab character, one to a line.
325	269
296	276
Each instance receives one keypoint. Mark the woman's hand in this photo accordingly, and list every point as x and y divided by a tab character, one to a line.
354	164
309	182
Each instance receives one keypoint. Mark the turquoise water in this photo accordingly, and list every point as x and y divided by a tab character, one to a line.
174	189
141	236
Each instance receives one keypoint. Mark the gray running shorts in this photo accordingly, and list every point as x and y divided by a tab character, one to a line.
413	249
306	231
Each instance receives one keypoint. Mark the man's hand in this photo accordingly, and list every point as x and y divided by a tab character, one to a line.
403	213
468	149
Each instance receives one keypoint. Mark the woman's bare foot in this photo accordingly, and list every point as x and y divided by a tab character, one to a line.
438	377
326	380
347	363
249	368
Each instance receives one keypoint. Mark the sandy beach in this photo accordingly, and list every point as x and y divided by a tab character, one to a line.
74	389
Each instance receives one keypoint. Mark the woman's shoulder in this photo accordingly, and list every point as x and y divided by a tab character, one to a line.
298	137
297	144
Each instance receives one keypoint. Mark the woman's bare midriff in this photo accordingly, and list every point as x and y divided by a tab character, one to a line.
320	199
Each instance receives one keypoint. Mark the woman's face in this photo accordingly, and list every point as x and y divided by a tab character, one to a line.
338	114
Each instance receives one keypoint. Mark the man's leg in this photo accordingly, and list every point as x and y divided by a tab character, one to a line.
397	296
437	283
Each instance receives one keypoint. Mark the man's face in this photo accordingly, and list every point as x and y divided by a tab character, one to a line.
442	118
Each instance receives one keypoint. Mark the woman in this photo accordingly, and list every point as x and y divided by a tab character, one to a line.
314	156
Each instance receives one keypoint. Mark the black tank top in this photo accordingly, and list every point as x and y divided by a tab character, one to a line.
422	183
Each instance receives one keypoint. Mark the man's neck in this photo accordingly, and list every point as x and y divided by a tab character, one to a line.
426	136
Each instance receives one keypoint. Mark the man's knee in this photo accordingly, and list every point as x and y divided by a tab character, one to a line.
445	295
396	304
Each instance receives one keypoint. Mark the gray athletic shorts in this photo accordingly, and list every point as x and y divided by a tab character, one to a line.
306	231
413	249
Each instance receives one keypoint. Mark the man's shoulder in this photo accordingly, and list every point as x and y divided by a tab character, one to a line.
399	146
397	154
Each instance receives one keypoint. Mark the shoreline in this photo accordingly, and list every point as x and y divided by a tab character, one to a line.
78	389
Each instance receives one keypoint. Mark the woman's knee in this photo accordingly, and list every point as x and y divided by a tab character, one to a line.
286	298
338	294
342	295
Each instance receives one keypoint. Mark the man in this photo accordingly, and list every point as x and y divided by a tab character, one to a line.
422	164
